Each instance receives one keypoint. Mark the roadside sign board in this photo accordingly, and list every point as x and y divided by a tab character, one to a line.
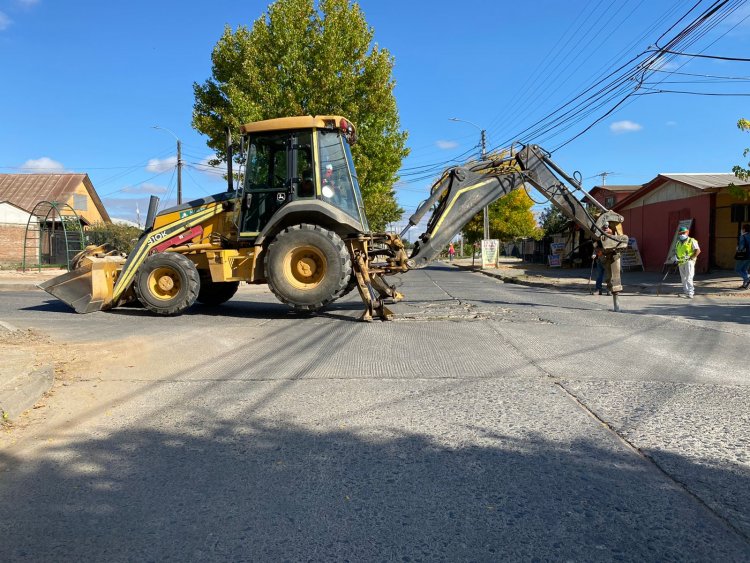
490	253
556	249
631	256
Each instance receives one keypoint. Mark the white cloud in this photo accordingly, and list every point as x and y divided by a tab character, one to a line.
158	165
218	171
44	164
664	64
445	145
625	127
5	22
146	188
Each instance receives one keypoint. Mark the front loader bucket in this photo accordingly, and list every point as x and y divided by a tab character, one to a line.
87	288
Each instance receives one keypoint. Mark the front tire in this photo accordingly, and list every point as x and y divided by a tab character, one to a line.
167	283
307	267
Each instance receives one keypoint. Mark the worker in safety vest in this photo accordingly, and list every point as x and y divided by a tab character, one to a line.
686	251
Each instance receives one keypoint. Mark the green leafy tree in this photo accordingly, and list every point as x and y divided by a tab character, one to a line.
553	221
740	171
297	59
510	218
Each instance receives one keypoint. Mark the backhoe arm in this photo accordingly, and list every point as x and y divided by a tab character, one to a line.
456	197
459	194
463	191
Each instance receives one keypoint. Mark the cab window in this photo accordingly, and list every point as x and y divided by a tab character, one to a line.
304	175
266	162
336	185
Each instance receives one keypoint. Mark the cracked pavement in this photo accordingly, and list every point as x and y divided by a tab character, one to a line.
489	421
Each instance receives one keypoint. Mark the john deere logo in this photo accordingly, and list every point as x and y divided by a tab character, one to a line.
186	213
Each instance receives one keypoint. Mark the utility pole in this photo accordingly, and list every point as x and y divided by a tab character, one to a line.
604	177
179	162
179	172
483	155
486	209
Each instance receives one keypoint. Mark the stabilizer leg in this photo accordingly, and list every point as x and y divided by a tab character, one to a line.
374	306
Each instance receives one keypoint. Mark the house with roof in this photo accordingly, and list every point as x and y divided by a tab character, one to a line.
19	196
609	196
653	213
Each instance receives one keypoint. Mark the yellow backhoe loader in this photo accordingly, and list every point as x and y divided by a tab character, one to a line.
297	223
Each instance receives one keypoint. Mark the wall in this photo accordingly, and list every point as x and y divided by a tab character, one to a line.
654	225
91	213
13	215
12	241
12	233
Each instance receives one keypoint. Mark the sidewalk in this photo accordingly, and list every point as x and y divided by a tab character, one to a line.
16	280
514	270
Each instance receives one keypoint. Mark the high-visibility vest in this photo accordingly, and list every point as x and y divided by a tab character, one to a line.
683	249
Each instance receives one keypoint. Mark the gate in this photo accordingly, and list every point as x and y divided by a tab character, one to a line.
54	235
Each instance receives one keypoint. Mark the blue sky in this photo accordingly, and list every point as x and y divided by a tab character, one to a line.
84	81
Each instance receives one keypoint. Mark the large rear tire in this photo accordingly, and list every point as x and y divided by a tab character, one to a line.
307	267
214	293
167	283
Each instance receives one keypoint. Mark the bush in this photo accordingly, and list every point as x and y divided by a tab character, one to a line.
120	237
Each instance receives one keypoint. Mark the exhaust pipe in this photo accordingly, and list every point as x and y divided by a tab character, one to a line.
153	206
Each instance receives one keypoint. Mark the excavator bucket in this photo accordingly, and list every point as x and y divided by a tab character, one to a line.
89	287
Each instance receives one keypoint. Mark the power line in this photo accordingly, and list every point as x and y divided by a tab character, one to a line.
720	94
682	37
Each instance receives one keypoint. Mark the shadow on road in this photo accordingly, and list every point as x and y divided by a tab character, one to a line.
714	312
235	308
221	490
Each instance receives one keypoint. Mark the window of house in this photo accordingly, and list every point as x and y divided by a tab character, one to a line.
80	202
609	201
740	213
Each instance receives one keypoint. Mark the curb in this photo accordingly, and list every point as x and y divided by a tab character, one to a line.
24	390
627	289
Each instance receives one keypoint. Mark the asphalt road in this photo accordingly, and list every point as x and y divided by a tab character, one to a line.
489	422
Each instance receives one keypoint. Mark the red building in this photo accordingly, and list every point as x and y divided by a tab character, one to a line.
652	214
609	196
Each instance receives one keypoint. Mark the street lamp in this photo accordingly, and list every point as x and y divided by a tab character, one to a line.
483	155
179	162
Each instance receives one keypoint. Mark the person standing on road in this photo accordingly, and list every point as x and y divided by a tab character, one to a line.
598	258
451	252
686	251
742	265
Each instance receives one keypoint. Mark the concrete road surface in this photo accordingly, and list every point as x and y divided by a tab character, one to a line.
489	422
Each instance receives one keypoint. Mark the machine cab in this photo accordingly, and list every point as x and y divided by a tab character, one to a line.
298	159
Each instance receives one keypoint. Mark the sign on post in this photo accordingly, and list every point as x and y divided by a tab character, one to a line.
490	253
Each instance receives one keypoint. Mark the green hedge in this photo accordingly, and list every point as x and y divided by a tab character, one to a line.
119	237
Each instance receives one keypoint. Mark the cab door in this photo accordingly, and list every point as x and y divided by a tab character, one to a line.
266	181
279	170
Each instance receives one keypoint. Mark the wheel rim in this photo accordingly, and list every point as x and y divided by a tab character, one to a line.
305	267
164	283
